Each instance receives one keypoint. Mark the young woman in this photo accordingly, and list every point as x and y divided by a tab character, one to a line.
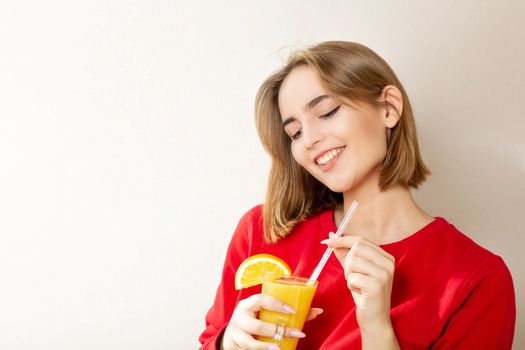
338	126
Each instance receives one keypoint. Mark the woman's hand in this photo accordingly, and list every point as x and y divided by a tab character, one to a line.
369	271
244	323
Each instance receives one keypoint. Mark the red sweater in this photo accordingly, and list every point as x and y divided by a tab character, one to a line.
447	293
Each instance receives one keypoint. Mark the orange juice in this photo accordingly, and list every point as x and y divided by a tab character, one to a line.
297	292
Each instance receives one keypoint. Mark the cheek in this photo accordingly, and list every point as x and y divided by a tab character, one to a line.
378	143
298	155
372	140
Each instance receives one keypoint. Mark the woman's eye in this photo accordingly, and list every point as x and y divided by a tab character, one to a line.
331	113
296	135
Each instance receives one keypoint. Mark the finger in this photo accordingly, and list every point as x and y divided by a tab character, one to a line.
340	252
266	329
261	301
368	253
349	241
369	250
383	252
313	313
365	251
356	264
358	282
366	242
333	241
246	341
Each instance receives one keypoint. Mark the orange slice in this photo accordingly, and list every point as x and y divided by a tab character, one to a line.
250	272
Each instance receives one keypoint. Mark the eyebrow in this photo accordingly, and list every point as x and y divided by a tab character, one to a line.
309	105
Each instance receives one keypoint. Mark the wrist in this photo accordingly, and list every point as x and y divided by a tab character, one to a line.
377	327
379	335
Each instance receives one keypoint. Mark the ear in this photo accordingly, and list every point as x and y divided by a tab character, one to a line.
392	97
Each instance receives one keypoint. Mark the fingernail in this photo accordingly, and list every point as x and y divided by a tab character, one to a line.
325	241
320	311
289	309
297	333
331	235
273	347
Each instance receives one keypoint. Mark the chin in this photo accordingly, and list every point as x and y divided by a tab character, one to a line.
339	187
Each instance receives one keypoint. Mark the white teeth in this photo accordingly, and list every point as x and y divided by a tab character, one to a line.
328	156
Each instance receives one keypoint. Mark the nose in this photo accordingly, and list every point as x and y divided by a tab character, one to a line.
311	136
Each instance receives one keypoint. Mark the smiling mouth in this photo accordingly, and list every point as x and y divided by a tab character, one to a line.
328	156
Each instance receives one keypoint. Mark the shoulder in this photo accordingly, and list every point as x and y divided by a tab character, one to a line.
455	241
474	292
461	251
249	229
252	218
487	281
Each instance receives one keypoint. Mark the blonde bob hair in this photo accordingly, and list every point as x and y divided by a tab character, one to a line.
350	72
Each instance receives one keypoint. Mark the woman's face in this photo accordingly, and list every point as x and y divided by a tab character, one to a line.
339	145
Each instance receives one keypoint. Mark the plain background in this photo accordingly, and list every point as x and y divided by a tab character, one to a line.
128	149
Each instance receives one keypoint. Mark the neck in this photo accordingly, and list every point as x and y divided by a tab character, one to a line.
382	217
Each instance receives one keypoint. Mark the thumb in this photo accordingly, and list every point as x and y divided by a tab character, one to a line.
340	252
313	313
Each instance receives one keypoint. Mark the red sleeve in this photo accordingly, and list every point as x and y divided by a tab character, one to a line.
227	297
487	317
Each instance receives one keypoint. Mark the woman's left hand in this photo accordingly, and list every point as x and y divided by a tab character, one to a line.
369	272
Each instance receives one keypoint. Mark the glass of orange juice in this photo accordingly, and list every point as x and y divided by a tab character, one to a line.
297	292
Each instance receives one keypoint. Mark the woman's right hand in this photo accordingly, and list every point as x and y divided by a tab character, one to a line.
244	324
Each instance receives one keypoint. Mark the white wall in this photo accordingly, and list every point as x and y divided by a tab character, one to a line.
128	148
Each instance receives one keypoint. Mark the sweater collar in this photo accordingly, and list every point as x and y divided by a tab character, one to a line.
327	223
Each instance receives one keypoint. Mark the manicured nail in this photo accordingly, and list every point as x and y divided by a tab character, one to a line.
297	333
326	241
289	309
331	235
273	347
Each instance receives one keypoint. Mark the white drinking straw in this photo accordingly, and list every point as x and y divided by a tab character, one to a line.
339	232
